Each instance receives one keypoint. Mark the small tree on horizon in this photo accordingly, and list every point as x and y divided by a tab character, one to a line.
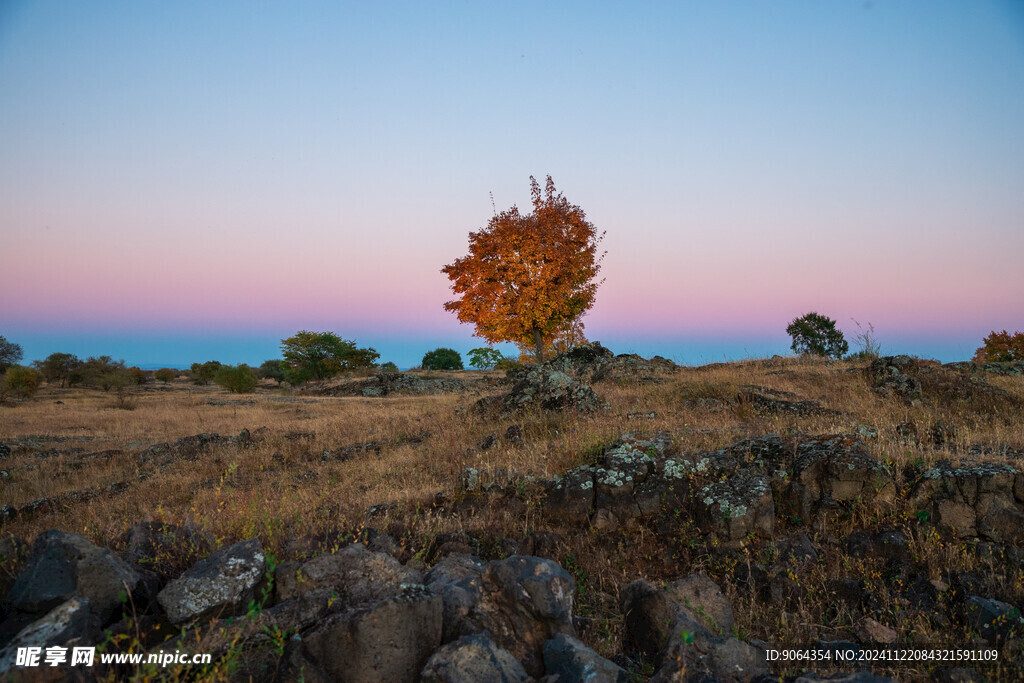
526	275
442	359
10	354
816	335
1000	347
239	379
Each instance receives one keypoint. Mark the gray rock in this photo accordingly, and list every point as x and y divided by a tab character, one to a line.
896	375
521	601
574	662
69	624
222	584
357	575
62	566
473	658
979	499
388	641
995	621
737	506
692	651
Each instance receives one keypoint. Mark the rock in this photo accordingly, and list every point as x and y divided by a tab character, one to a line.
650	612
942	433
358	576
514	434
70	624
832	470
907	431
469	480
388	641
769	405
896	375
550	390
574	662
398	384
488	442
995	621
866	432
739	505
222	584
157	547
693	653
870	631
473	658
62	566
982	499
521	601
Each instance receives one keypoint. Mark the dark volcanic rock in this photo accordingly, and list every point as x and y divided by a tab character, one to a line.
473	658
574	662
356	575
221	584
896	375
62	566
983	499
69	624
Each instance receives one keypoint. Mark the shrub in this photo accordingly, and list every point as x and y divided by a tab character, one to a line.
388	367
816	335
240	379
203	373
22	381
275	369
137	375
1001	347
442	359
99	371
166	375
484	358
868	343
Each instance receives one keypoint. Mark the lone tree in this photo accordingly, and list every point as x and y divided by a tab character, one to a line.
816	335
525	276
1000	347
321	355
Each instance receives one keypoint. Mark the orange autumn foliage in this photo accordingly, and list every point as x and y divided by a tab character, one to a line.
1001	346
527	276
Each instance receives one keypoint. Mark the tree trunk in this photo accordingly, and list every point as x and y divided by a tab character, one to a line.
538	340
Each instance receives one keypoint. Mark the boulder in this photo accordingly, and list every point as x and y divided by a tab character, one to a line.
550	390
521	601
573	662
70	624
693	653
390	640
157	547
650	612
737	506
356	574
896	375
995	621
473	658
222	584
61	566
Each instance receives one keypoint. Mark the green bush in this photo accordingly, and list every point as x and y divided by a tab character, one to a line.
388	368
166	375
816	335
203	373
59	367
275	369
137	375
22	381
442	359
240	379
485	358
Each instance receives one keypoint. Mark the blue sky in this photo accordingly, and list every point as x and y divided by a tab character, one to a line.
186	181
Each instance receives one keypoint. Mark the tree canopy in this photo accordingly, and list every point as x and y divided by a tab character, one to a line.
816	335
321	355
527	275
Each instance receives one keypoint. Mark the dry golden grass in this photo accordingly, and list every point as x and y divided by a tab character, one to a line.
300	495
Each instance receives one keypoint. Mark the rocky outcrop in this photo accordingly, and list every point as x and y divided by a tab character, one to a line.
222	584
356	575
545	388
981	499
896	375
63	566
400	384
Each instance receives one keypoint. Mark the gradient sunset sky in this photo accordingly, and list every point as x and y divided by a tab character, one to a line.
187	181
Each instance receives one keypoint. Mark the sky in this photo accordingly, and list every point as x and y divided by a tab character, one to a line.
190	181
